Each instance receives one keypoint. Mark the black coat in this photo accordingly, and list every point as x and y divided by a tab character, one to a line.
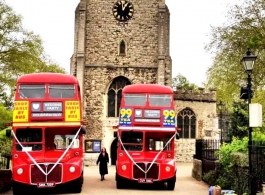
103	163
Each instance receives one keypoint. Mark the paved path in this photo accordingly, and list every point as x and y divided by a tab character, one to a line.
185	184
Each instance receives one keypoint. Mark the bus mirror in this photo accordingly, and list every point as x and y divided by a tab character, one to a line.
8	133
177	135
8	124
115	127
115	134
84	123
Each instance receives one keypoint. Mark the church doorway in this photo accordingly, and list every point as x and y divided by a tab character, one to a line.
113	151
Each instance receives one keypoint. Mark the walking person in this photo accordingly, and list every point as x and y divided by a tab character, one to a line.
103	160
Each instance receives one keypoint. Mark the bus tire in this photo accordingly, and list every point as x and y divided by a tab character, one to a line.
17	188
78	184
171	184
119	184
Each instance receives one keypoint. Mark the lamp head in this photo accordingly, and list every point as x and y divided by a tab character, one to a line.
248	61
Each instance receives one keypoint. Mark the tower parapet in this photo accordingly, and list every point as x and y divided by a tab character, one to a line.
200	95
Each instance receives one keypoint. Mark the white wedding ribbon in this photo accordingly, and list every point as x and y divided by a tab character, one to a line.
153	159
33	160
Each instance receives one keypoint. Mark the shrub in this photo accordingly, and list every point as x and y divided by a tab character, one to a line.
231	172
210	177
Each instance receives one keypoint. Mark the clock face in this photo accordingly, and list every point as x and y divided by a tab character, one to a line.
123	10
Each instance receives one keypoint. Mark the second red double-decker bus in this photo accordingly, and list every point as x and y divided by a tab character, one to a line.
146	135
47	133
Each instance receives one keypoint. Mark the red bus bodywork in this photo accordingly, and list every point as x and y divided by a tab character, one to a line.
146	134
47	130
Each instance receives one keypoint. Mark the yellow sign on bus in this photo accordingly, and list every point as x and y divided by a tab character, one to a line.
72	111
21	111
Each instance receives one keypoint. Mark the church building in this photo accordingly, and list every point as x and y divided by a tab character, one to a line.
123	42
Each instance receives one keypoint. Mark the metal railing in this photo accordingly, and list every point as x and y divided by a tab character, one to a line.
5	162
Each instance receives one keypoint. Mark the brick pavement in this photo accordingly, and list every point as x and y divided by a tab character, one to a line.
185	184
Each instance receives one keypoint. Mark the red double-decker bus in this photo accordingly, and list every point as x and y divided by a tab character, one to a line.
47	132
146	135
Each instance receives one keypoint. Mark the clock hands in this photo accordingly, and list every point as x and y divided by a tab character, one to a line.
123	7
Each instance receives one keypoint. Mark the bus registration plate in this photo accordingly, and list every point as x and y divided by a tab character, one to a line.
145	180
46	185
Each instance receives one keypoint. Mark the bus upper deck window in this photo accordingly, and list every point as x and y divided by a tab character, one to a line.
61	91
135	99
32	91
160	100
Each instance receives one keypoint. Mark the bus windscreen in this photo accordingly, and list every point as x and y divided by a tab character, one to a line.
32	91
61	91
135	99
160	100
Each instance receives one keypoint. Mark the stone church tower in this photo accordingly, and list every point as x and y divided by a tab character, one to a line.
118	43
114	49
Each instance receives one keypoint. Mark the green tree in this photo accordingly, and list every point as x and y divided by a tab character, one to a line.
5	115
181	81
244	28
5	143
239	121
21	51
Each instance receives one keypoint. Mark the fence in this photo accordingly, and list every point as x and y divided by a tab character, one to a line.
4	162
209	158
206	152
258	164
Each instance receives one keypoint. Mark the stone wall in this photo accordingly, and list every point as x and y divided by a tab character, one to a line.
185	149
97	81
104	33
197	169
203	104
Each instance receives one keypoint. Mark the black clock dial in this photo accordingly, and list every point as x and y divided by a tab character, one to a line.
123	10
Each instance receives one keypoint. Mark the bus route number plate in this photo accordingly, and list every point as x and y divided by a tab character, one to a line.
145	180
46	185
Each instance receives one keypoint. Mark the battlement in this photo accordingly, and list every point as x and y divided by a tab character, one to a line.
199	95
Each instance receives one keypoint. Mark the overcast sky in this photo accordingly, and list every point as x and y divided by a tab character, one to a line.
190	21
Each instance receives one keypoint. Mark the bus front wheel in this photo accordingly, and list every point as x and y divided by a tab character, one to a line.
119	182
18	189
77	184
171	184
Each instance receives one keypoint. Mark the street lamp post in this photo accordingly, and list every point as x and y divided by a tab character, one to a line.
248	62
220	107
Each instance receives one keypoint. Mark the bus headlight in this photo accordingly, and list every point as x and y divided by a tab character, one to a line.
123	167
19	171
72	169
167	168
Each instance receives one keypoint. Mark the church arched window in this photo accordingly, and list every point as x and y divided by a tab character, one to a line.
114	95
122	48
186	120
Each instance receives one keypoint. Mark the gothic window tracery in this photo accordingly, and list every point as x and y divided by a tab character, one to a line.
186	120
114	95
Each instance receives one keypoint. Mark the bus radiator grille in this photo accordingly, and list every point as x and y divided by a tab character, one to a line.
38	176
152	173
